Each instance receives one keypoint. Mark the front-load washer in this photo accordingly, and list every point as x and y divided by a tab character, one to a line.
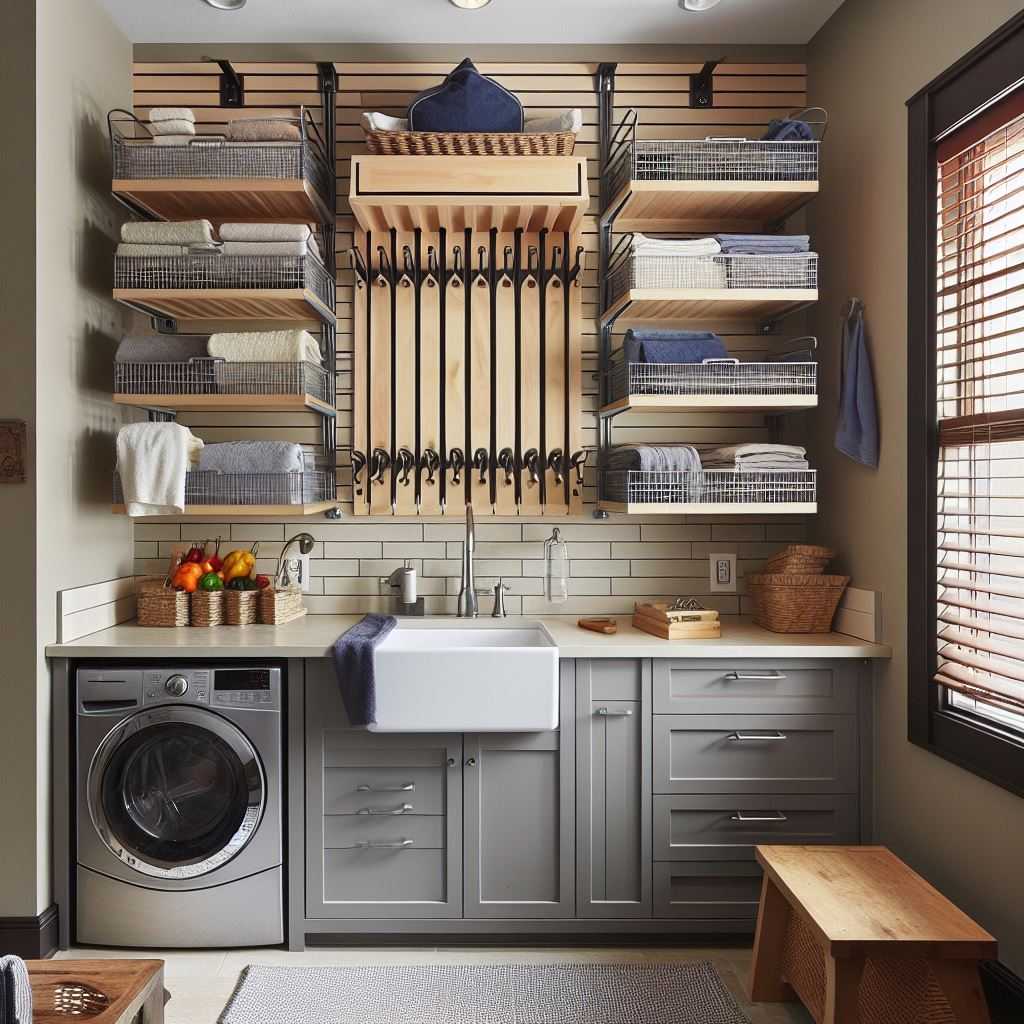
178	839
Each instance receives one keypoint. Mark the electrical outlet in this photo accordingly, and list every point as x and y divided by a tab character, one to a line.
722	568
304	572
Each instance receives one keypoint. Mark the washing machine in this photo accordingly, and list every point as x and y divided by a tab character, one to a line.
178	838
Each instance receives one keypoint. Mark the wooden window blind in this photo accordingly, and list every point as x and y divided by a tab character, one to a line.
980	411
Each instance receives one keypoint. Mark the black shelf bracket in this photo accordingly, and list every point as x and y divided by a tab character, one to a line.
702	85
232	86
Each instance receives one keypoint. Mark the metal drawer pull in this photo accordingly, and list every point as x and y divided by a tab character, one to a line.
612	713
744	737
408	787
777	816
402	844
772	676
404	809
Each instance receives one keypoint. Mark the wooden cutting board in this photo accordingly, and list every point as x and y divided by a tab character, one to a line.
606	626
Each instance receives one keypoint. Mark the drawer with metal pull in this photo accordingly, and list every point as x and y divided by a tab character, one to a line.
380	874
362	831
717	891
730	825
755	754
384	792
772	686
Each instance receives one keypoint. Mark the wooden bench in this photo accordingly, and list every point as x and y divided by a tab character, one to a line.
859	938
130	991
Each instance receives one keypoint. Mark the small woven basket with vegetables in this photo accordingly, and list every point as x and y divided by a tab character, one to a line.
159	604
241	587
207	607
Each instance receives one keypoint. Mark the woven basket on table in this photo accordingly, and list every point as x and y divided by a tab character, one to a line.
280	606
470	143
241	607
159	604
789	603
208	608
800	559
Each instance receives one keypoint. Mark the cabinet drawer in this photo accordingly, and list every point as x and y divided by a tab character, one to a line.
612	678
719	891
728	827
382	876
755	754
784	687
346	831
383	792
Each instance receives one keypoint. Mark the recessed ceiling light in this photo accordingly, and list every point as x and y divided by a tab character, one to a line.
698	5
470	5
225	5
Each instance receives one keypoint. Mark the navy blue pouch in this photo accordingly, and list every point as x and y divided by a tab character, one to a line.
466	101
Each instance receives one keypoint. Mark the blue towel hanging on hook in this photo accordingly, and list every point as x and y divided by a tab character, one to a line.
857	429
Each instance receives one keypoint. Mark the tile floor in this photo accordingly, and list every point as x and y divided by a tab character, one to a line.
200	982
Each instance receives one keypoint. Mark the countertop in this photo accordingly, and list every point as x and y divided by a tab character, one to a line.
313	635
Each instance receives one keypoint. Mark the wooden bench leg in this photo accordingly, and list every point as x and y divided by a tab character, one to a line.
842	989
961	984
766	982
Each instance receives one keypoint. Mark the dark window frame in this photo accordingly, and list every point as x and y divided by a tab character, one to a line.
988	72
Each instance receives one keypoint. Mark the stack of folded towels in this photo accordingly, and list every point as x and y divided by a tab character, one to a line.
654	345
172	126
763	245
263	129
647	245
706	272
291	346
650	458
166	238
268	240
756	458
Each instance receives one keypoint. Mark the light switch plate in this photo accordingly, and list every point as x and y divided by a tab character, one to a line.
722	570
304	572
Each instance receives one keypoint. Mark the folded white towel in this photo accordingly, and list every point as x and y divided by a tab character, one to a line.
172	140
265	347
269	249
159	128
265	232
152	460
565	121
144	249
645	245
174	232
172	114
377	122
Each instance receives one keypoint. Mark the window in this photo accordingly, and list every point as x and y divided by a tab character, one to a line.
966	412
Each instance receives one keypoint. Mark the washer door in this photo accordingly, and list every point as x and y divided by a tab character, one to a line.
176	792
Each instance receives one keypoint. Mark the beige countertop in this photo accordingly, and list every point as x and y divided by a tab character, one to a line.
313	636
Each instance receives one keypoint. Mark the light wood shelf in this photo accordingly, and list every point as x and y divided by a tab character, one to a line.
478	192
228	403
710	508
293	305
239	511
732	305
709	403
706	206
256	200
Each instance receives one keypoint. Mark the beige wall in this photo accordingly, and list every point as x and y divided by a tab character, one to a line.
867	61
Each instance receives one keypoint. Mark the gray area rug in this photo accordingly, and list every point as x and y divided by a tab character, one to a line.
687	993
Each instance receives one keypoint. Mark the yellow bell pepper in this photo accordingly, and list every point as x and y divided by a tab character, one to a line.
239	563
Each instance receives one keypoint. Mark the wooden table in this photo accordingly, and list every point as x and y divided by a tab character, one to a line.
860	939
134	990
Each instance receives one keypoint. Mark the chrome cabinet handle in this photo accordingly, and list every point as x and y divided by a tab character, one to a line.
404	809
470	762
772	676
408	787
740	816
752	737
401	844
613	713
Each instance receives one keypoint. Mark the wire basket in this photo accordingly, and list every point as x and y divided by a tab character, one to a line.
713	378
709	487
135	156
217	377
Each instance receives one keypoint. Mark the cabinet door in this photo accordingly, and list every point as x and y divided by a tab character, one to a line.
383	815
613	788
519	819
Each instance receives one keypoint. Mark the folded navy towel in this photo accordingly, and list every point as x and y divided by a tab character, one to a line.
353	665
15	991
661	346
767	245
788	129
857	429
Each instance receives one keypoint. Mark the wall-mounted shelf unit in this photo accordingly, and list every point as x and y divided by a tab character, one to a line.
228	403
725	306
246	511
771	405
292	306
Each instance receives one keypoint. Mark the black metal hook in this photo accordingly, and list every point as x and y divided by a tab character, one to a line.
433	273
480	462
481	273
408	267
556	464
556	262
456	462
507	461
530	459
385	273
574	274
358	465
506	270
405	464
531	266
456	277
358	266
702	85
430	462
380	460
577	461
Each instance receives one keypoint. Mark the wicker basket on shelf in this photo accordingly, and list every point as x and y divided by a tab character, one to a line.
241	607
382	143
159	604
207	608
280	606
801	559
790	603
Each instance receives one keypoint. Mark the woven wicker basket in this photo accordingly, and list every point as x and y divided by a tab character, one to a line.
208	608
788	603
800	559
470	143
158	604
240	607
280	606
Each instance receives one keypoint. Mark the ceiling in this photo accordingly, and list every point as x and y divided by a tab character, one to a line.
503	21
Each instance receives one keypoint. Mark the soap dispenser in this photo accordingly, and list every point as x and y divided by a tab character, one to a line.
556	568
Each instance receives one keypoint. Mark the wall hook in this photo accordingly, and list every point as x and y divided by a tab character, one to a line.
506	271
358	267
574	274
531	267
385	274
406	462
433	274
456	279
578	461
480	463
456	461
530	459
556	259
380	460
408	267
430	463
507	461
481	273
556	464
358	465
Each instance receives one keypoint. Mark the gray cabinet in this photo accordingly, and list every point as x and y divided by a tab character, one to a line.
707	891
613	788
518	794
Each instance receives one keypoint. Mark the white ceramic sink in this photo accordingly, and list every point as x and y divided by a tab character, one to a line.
466	679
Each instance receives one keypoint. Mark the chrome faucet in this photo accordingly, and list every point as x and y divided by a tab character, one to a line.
468	607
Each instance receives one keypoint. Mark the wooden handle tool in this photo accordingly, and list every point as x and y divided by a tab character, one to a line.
605	626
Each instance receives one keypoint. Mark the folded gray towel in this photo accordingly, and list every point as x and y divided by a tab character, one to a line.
252	457
353	665
231	232
161	348
160	232
15	991
153	249
766	244
668	458
269	249
263	129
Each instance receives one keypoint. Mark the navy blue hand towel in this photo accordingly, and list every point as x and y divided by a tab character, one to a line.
788	129
857	429
353	663
15	991
666	346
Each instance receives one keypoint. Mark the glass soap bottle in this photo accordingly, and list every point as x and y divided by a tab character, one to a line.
556	568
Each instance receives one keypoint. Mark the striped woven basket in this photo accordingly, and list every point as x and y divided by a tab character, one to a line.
207	608
240	607
159	604
470	143
789	603
799	558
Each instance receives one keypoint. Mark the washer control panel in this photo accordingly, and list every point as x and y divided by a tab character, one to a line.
185	686
245	687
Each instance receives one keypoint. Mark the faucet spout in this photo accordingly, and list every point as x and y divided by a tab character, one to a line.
468	606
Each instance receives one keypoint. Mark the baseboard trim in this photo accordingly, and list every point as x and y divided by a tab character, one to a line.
1004	991
32	938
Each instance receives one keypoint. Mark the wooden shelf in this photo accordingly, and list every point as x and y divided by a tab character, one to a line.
709	403
266	200
736	305
235	511
479	192
292	305
228	403
710	508
706	206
